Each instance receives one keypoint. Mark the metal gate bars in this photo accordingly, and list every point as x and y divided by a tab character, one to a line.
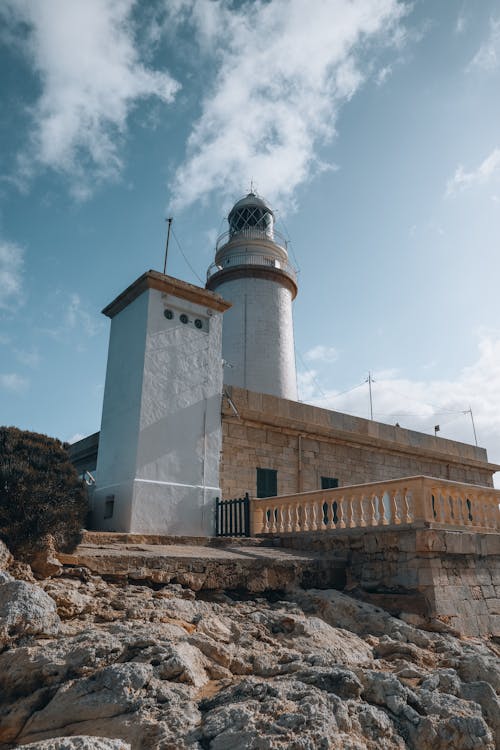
232	517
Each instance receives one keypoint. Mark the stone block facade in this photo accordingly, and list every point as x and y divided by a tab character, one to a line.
304	443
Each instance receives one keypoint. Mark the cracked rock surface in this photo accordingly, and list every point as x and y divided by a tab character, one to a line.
90	665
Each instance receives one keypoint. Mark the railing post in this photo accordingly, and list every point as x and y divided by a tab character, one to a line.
256	512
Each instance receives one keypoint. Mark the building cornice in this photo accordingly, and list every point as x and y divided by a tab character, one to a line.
167	285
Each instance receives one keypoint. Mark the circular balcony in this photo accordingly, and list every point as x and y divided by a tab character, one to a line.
241	260
251	233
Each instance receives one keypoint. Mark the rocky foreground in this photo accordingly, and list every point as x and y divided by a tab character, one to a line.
92	665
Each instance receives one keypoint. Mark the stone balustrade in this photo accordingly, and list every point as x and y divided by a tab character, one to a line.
414	500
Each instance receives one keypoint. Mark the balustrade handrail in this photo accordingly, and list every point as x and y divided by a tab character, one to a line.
395	502
251	233
252	259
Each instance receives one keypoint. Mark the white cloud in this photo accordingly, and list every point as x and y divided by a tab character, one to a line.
74	318
76	437
13	382
383	74
487	58
461	23
321	353
420	404
11	270
91	76
285	69
487	171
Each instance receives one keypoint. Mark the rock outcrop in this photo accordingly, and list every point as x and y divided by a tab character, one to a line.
87	664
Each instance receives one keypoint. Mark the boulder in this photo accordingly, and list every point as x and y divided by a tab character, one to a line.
25	609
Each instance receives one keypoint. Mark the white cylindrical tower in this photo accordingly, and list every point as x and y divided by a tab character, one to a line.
252	271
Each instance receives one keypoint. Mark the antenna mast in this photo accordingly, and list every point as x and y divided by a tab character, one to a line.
370	380
469	411
169	220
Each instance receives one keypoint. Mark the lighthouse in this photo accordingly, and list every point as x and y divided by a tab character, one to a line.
252	272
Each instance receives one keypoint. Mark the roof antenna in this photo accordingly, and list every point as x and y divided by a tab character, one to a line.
170	220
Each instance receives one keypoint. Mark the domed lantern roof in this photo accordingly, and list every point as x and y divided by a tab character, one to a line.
251	215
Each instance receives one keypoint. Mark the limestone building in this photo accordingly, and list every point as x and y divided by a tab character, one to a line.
201	399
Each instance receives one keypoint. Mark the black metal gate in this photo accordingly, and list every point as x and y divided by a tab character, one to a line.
232	517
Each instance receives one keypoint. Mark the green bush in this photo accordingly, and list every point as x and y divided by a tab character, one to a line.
40	492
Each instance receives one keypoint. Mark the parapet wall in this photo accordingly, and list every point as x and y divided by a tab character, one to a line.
304	443
448	578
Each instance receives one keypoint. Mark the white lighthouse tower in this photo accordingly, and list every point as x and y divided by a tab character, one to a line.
252	271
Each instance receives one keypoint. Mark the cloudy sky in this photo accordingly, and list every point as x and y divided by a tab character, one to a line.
373	127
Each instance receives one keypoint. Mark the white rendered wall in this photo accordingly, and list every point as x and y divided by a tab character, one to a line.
161	463
257	337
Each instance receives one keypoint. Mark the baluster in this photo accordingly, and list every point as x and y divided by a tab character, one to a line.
288	518
448	508
282	518
461	512
266	518
285	517
486	511
429	505
373	510
384	509
469	510
438	509
453	507
489	512
362	510
274	528
407	504
299	518
396	514
493	512
393	509
341	513
478	519
355	511
306	516
314	516
496	512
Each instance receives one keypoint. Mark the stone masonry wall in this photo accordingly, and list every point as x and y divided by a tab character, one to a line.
304	443
439	576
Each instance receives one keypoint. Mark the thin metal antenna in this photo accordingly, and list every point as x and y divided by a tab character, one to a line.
469	411
169	220
370	380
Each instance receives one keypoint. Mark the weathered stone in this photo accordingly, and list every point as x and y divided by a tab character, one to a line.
76	743
316	670
5	556
26	610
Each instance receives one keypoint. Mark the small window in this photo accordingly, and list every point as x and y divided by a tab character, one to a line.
328	483
184	318
109	506
267	482
168	314
198	323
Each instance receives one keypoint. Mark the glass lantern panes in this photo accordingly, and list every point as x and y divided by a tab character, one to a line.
251	220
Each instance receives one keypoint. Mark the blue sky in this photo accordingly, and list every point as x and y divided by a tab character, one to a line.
373	127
